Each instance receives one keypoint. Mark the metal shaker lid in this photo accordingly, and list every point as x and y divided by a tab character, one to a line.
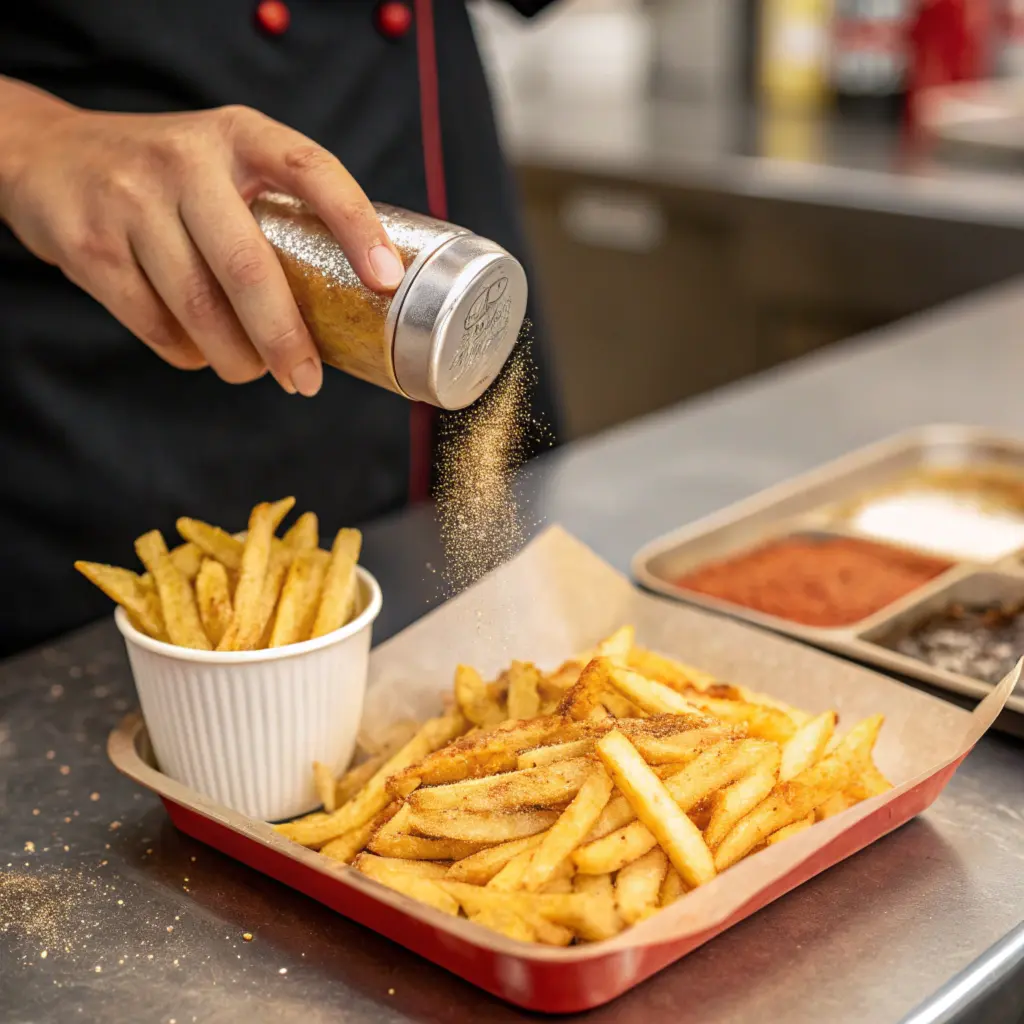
457	319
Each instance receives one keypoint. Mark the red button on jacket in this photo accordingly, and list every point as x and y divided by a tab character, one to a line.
273	17
393	19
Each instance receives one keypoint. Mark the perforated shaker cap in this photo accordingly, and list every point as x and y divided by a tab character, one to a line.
457	321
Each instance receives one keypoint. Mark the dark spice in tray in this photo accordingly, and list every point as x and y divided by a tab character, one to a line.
815	581
982	642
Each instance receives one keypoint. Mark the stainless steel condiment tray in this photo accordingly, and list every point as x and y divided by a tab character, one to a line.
816	503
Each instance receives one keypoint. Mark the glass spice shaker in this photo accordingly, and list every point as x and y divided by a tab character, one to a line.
443	336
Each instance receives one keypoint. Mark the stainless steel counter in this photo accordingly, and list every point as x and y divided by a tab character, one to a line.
738	150
868	941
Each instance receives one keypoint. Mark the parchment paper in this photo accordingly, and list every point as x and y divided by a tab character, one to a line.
557	598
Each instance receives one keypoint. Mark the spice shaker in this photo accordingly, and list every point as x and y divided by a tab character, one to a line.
441	338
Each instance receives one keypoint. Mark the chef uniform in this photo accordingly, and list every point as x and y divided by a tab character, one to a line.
99	439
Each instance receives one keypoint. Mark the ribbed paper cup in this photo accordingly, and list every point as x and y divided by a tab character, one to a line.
244	727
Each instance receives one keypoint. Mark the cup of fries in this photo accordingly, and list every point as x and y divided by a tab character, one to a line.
250	654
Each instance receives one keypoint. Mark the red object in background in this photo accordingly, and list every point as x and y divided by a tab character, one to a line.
951	41
273	17
394	19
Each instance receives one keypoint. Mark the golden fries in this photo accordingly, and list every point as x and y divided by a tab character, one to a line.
567	833
246	625
177	599
416	886
549	784
523	692
648	780
807	745
638	886
653	805
213	594
339	591
480	868
136	594
300	598
214	542
373	797
304	533
248	592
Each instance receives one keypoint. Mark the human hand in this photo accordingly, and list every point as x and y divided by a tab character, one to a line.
150	215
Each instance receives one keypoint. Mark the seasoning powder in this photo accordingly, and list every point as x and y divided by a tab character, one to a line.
826	582
480	451
982	642
973	513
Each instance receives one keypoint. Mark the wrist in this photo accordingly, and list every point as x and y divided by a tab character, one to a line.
26	115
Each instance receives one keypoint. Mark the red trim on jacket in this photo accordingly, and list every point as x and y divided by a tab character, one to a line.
421	416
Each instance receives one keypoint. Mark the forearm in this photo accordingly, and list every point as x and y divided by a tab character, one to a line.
24	111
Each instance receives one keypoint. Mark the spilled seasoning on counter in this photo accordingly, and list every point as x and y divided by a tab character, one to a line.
42	907
824	582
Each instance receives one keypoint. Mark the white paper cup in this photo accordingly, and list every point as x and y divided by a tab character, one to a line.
244	727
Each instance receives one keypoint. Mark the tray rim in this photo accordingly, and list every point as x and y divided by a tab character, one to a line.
558	981
846	640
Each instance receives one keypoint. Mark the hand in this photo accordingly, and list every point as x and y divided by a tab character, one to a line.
150	215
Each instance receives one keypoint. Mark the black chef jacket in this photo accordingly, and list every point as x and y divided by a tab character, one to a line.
99	439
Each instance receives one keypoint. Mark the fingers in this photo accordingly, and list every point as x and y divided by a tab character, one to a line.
293	163
133	301
247	270
178	271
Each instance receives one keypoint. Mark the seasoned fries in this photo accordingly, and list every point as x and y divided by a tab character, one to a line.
564	806
177	598
213	593
219	591
339	592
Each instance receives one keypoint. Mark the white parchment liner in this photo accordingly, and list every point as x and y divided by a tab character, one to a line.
557	598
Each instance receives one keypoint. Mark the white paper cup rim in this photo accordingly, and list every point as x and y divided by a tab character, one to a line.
362	620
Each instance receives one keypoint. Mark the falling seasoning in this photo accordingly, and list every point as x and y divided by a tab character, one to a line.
481	514
982	641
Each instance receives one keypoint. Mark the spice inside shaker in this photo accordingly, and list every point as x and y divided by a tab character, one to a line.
443	336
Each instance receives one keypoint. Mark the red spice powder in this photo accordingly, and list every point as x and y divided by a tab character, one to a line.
833	581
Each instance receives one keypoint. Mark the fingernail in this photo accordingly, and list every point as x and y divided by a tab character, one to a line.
387	266
307	377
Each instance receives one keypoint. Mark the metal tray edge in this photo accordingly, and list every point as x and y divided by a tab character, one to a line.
846	641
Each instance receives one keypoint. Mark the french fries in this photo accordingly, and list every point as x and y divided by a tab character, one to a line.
213	595
647	780
136	594
177	599
227	592
339	591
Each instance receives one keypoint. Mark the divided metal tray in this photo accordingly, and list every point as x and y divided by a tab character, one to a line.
809	503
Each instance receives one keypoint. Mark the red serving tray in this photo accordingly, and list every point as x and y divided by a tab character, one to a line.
533	977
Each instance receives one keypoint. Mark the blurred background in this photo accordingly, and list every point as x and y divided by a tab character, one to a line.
757	179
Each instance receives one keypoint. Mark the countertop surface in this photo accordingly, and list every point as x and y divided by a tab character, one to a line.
139	923
736	149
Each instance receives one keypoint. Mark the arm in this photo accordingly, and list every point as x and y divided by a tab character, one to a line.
149	214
